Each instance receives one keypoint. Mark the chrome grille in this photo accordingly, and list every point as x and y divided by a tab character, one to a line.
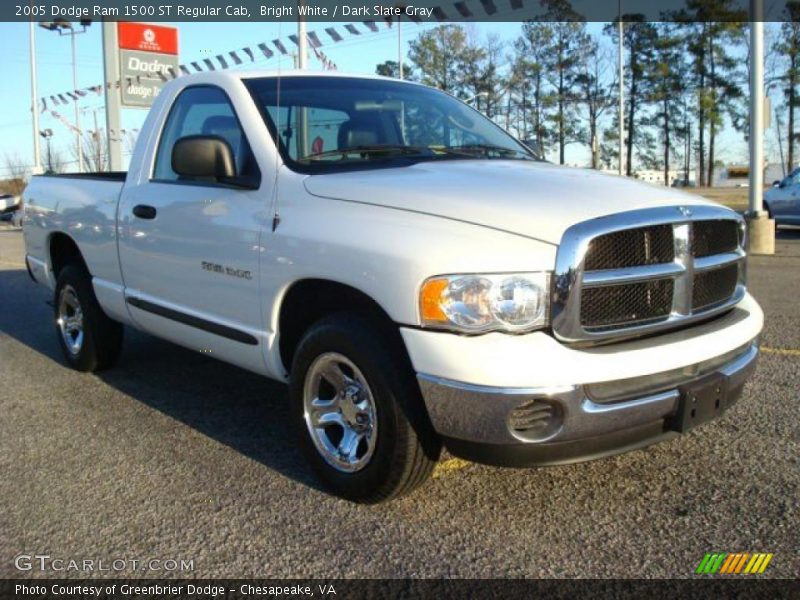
713	287
618	305
646	270
630	248
714	237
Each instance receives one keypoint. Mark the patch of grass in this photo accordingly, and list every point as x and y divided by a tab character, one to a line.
735	198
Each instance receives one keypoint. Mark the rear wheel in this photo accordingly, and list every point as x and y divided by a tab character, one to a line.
90	340
358	412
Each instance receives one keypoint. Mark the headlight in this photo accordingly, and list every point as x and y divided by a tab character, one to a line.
479	303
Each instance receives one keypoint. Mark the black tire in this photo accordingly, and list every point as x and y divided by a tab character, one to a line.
405	448
101	342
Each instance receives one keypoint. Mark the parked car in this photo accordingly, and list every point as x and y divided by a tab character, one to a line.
10	208
782	201
413	272
684	183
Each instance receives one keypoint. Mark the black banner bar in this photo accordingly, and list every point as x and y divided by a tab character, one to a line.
396	589
373	10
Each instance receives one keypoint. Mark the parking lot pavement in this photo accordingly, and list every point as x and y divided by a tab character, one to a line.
173	455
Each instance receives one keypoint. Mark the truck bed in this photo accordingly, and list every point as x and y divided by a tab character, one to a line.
83	204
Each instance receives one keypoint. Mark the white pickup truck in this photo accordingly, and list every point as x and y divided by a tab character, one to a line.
418	277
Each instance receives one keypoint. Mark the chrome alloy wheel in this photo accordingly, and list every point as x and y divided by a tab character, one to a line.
339	411
70	319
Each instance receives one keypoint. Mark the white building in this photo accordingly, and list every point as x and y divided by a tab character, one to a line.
657	176
739	175
654	176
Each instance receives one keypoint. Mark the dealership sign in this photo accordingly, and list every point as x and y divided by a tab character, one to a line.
148	56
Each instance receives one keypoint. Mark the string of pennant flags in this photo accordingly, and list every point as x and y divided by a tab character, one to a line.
336	34
72	127
234	57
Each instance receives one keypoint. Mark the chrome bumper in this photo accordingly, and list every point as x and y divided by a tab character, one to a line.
569	425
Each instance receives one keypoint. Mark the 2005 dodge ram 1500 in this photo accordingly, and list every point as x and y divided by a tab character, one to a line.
417	276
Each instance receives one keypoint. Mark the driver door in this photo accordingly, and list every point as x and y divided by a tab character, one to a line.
190	248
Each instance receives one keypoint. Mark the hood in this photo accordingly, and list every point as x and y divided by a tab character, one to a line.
533	199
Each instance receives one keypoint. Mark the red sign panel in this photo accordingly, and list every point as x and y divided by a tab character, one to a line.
148	38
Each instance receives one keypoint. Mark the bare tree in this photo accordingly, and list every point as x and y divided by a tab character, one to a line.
94	147
53	159
16	171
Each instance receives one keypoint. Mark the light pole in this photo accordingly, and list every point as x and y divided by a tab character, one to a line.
302	64
113	101
302	53
760	227
62	25
399	48
47	134
37	154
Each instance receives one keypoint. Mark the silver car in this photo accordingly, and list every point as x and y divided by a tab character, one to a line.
782	202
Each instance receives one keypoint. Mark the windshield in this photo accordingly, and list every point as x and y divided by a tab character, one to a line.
326	123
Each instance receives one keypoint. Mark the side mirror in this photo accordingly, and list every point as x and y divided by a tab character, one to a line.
203	156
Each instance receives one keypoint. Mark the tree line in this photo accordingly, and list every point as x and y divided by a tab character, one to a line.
556	84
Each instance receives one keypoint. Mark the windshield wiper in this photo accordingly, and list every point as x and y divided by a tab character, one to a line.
373	150
486	150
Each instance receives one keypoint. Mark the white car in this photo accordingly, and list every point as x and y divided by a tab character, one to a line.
9	208
413	273
782	201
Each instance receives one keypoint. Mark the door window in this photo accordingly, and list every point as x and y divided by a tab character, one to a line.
203	110
792	179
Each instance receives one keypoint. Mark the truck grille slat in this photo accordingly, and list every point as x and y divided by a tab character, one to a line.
714	286
714	237
631	248
646	270
618	305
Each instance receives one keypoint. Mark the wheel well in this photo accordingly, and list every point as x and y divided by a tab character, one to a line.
310	300
63	251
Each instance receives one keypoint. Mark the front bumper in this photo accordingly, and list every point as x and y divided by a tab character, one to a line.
530	400
483	424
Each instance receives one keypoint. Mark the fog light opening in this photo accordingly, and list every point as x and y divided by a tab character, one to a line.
535	420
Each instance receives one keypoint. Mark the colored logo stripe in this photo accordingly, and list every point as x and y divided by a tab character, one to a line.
736	563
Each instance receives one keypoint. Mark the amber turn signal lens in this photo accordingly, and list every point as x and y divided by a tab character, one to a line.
431	300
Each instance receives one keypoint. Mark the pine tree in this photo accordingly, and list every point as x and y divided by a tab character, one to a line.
788	47
717	29
596	93
528	80
442	56
561	65
391	68
667	83
639	41
482	80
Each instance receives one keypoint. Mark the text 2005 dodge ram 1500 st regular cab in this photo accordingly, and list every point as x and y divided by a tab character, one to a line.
412	271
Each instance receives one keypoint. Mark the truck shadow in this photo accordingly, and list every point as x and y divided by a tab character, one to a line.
242	410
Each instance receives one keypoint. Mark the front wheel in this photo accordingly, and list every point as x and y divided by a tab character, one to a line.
358	411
